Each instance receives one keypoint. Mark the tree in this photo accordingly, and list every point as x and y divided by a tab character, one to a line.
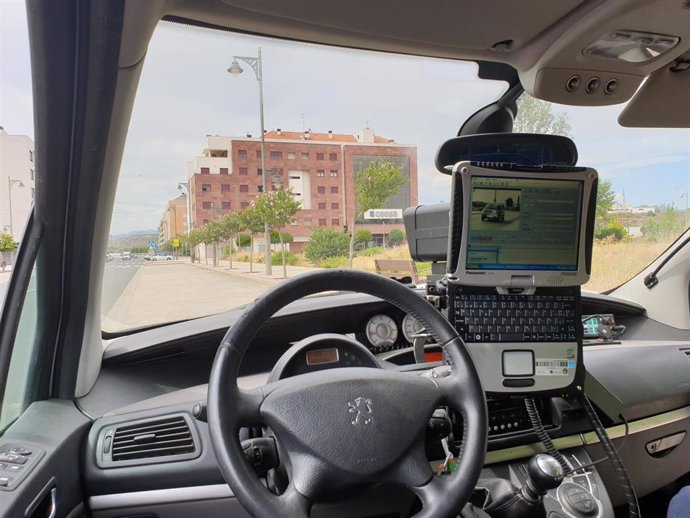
194	239
363	237
7	244
374	185
232	222
324	243
214	234
285	236
606	199
277	209
535	116
663	226
251	222
395	237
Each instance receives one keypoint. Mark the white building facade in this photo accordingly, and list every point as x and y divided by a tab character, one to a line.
17	182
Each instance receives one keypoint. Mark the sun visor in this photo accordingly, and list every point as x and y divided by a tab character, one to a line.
663	101
515	148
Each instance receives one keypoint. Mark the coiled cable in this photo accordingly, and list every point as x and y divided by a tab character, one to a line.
612	454
538	428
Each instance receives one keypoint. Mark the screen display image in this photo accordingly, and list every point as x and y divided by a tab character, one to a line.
524	224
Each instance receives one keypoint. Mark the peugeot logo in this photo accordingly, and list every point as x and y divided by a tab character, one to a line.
360	411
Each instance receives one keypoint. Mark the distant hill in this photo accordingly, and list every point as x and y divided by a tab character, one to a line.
134	233
134	239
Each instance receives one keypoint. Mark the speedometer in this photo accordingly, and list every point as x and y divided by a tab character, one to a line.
411	327
381	331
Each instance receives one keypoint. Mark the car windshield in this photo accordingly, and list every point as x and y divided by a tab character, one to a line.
197	182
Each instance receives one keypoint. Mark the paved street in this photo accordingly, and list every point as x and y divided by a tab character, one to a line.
170	291
116	277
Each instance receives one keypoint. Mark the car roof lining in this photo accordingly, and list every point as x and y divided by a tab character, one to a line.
544	35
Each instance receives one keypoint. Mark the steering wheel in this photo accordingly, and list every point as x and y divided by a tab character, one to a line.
346	428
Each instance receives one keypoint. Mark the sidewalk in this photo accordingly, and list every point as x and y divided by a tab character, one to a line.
258	274
169	291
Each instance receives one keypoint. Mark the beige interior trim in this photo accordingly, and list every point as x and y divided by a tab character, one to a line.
573	441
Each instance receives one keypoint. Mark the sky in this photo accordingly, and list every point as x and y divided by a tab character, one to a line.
185	93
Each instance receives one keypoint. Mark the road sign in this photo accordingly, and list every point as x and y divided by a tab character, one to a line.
383	214
152	243
176	242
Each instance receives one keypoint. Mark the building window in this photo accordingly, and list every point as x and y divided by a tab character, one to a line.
322	222
291	156
335	206
334	173
335	222
322	205
307	222
244	188
31	156
276	155
225	205
320	172
258	153
305	155
242	153
319	156
223	170
334	189
259	188
225	187
205	222
244	205
321	190
205	187
32	174
333	156
205	170
243	170
206	205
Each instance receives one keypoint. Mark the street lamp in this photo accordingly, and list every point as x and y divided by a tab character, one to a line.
11	183
235	69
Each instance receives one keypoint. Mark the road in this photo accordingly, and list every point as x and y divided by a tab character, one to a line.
116	277
512	222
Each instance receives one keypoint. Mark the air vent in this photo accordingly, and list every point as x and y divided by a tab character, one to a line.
159	439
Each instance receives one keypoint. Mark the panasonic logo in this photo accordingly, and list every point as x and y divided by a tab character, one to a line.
475	273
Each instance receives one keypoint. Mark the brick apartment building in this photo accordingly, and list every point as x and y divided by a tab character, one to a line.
317	167
174	220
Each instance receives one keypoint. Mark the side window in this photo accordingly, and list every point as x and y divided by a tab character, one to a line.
21	379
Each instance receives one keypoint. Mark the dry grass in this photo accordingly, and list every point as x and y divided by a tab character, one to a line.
613	263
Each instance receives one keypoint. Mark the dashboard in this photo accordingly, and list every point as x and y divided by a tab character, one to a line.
164	372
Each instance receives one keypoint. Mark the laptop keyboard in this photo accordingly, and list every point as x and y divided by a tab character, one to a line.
483	315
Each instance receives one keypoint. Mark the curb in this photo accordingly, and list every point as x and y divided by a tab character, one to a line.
254	276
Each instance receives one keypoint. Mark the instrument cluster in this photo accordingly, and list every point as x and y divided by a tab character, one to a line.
384	332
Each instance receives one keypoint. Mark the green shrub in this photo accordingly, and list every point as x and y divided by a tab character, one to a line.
363	237
291	259
396	237
370	252
614	231
325	242
243	240
275	237
334	262
227	251
666	225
